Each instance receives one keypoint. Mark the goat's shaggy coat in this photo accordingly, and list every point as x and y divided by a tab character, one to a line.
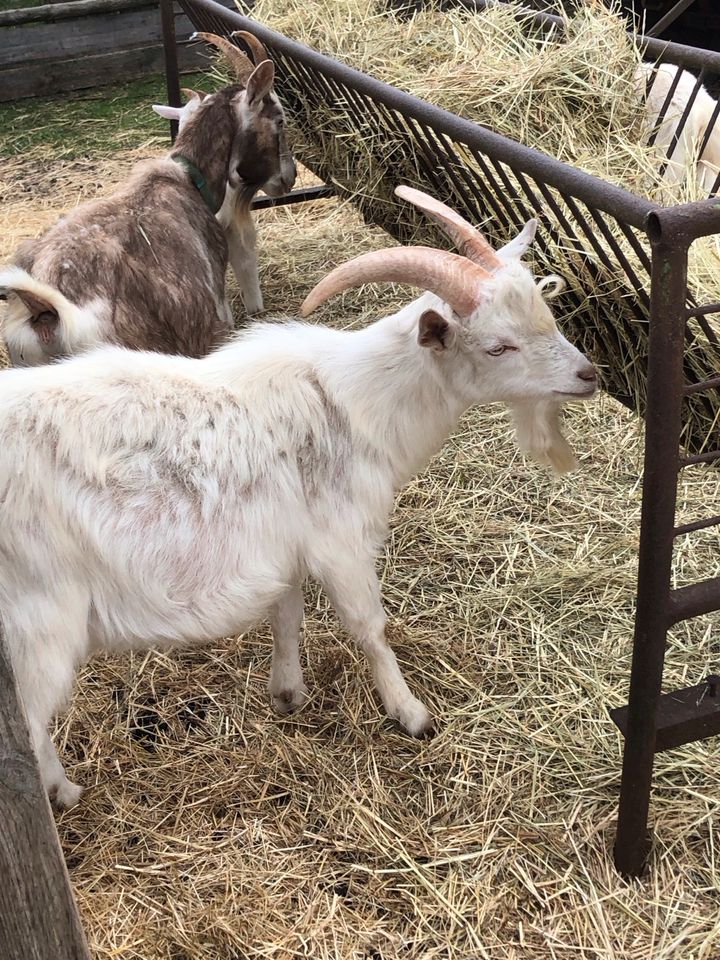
145	267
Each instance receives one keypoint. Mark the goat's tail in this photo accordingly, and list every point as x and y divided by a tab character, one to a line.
41	322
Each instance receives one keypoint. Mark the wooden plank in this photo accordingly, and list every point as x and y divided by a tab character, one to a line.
62	11
91	35
41	79
77	38
113	31
38	916
55	12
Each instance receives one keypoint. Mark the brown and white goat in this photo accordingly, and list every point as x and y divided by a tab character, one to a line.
145	267
234	215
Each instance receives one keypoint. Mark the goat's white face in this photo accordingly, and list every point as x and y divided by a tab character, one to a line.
510	348
486	322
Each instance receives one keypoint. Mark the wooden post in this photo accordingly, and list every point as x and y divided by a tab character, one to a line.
38	916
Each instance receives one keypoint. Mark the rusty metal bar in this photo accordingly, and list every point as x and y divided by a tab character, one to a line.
704	310
680	126
713	382
669	18
694	600
662	440
683	716
172	71
665	104
697	525
707	457
301	195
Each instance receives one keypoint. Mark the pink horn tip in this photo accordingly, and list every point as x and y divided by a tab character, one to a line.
467	238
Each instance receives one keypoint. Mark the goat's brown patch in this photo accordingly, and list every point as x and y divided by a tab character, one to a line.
323	457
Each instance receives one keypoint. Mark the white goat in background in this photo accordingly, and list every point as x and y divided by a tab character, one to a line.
687	156
149	500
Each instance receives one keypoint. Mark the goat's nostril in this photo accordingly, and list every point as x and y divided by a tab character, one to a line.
588	374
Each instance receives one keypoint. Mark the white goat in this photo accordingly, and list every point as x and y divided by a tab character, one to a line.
654	84
149	500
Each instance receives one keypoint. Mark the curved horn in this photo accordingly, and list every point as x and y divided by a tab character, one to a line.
452	278
469	241
241	64
257	50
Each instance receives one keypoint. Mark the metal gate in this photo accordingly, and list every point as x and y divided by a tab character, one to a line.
483	174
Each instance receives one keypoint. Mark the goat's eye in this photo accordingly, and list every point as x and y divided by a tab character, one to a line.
499	349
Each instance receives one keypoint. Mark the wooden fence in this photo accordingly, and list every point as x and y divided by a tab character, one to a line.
63	46
38	916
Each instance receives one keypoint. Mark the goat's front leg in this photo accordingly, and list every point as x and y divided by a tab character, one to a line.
242	253
286	685
353	588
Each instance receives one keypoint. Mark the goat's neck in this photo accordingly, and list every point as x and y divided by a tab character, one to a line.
397	395
207	142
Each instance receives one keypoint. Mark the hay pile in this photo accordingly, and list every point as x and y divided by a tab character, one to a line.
213	830
571	95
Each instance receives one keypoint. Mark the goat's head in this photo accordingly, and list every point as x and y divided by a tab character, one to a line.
492	332
260	157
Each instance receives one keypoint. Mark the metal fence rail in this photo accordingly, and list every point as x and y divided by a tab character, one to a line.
651	319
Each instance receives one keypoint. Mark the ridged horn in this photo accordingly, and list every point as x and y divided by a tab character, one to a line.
454	279
257	50
242	65
469	241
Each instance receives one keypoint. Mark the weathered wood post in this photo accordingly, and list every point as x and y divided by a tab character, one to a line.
38	916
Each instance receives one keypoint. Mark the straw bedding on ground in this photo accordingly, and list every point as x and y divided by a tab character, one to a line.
571	95
213	830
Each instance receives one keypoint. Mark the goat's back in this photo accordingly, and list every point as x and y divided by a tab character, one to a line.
149	261
185	506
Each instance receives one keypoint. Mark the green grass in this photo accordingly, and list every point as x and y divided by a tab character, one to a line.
20	4
89	122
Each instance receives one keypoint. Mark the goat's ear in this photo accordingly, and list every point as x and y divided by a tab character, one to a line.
551	286
520	245
191	94
260	82
170	113
36	304
435	331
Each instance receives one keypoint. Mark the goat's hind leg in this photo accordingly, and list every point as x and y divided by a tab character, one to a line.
286	684
46	639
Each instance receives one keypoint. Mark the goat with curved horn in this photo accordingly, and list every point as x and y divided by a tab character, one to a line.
469	241
257	50
241	64
454	279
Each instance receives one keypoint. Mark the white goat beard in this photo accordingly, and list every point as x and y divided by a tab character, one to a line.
538	433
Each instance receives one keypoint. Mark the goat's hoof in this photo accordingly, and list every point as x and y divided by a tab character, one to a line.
290	699
64	795
416	719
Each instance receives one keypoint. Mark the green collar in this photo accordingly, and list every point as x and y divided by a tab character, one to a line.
198	178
